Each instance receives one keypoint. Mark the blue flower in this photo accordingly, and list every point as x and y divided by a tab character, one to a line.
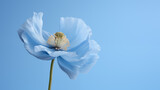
73	47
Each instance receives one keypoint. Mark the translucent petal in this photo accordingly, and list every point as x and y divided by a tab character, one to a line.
31	34
85	59
52	52
75	29
68	68
30	47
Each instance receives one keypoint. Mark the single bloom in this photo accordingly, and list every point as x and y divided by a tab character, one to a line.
73	47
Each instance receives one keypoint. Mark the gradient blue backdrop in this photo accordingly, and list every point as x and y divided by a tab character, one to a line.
128	32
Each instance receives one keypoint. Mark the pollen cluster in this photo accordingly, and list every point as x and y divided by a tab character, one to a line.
58	41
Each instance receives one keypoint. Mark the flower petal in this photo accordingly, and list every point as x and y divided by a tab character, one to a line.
68	68
31	34
29	44
72	69
85	59
52	52
75	29
33	27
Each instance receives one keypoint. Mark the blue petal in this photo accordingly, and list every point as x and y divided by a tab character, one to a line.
75	29
31	34
67	67
85	59
52	52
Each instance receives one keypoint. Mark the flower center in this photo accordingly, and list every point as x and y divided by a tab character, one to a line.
58	41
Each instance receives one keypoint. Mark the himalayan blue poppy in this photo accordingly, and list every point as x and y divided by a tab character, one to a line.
73	47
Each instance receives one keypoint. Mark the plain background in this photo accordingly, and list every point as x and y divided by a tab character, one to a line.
128	32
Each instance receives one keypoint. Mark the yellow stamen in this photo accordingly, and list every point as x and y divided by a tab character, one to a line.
58	41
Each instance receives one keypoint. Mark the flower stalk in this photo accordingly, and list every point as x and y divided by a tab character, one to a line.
50	77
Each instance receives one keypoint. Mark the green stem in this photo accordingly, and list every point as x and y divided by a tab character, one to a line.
50	78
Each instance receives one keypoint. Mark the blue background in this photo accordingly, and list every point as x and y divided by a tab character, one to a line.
128	32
